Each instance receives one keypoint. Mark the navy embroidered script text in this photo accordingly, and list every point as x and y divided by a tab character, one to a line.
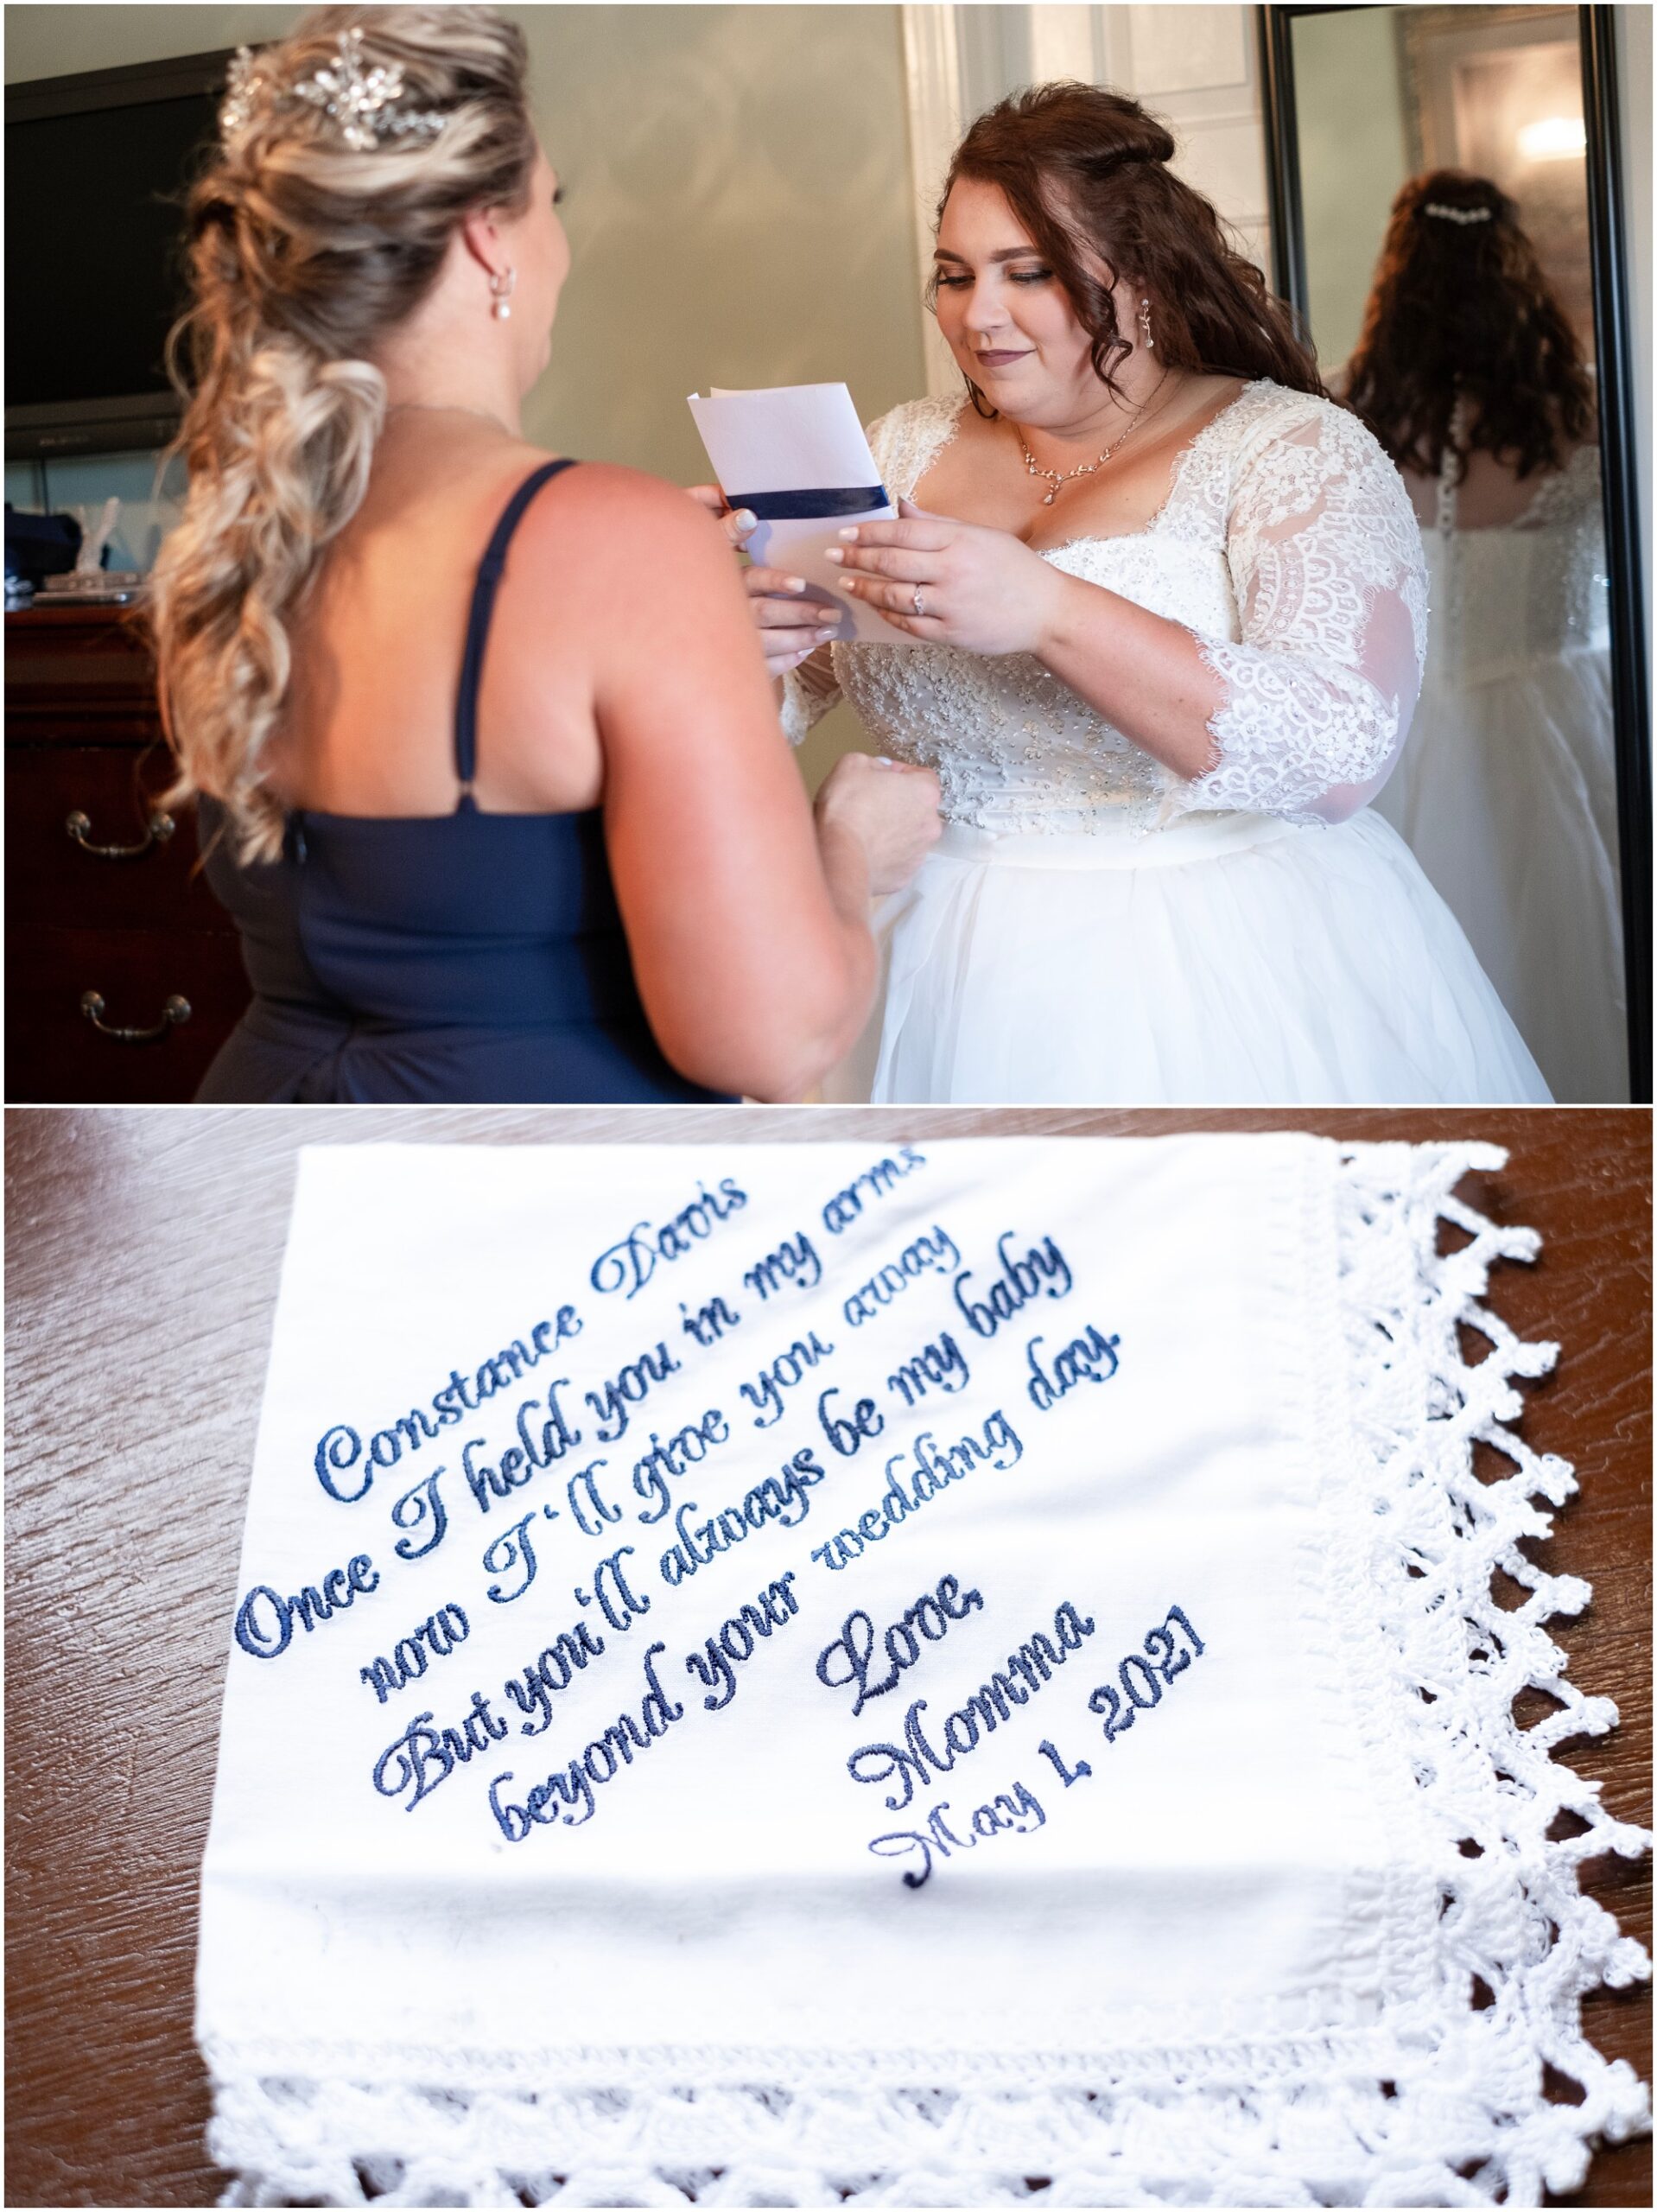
913	1762
341	1448
917	1474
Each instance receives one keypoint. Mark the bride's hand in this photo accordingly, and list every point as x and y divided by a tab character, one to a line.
791	628
891	808
981	589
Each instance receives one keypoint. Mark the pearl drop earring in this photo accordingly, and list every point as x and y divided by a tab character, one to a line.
1146	339
501	287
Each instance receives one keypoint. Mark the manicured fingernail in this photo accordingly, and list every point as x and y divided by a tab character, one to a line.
795	583
744	518
834	554
851	532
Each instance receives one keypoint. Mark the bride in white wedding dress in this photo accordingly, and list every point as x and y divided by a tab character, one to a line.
1470	375
1170	608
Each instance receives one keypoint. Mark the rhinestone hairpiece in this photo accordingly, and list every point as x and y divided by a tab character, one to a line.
1447	214
361	100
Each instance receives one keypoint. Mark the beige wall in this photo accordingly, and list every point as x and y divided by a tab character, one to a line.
737	199
51	41
738	205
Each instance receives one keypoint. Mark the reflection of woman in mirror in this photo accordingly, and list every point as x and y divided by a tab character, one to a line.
1168	605
1469	374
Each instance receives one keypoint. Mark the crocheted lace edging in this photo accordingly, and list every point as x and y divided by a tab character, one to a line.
1445	2103
1519	1944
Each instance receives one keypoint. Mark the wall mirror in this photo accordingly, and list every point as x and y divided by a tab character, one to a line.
1447	217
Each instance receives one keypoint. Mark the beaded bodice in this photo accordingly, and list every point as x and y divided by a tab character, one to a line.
1284	527
1535	588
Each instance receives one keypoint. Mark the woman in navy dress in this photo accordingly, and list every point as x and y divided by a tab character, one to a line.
488	768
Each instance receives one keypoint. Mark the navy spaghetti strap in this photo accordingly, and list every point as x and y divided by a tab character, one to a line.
490	571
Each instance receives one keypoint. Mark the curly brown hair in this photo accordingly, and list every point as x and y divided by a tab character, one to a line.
1461	310
1086	172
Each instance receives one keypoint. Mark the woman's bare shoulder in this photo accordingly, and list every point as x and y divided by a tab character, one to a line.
607	511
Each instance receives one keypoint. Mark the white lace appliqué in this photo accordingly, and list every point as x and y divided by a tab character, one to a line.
1325	555
1287	546
1512	594
1442	2101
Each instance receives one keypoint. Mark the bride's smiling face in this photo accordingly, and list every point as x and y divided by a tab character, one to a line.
1008	319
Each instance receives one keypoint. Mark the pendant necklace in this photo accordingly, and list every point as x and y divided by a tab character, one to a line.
1058	478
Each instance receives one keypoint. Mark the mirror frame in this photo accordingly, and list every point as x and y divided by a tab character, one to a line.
1607	235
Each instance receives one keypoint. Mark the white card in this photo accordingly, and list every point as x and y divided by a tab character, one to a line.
799	438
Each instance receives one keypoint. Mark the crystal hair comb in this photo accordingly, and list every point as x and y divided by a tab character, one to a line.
1447	214
363	101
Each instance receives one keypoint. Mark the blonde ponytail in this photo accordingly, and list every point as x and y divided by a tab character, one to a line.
303	253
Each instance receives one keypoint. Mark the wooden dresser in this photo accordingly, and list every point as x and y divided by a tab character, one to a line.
123	974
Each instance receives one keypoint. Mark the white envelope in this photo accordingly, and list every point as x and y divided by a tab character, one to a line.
798	438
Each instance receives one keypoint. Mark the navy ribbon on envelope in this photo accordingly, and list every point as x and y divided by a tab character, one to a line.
807	506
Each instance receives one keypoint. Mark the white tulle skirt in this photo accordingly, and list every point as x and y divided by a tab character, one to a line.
1507	795
1228	959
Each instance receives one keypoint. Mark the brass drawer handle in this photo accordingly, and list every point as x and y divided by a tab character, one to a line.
176	1010
158	829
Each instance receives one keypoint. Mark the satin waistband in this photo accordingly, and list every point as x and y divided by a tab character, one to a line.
1114	844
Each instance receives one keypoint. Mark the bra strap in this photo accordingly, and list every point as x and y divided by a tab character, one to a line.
490	571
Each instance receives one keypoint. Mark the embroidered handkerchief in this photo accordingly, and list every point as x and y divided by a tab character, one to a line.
800	1675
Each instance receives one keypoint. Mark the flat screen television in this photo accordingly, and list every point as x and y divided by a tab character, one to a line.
96	169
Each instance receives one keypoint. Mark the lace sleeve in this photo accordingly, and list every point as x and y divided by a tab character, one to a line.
809	692
1326	562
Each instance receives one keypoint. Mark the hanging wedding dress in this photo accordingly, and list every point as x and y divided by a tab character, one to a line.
1093	929
1506	794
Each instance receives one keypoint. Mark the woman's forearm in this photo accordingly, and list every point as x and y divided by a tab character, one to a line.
846	872
1145	674
796	1066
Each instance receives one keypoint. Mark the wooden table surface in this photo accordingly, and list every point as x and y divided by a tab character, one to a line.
143	1246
